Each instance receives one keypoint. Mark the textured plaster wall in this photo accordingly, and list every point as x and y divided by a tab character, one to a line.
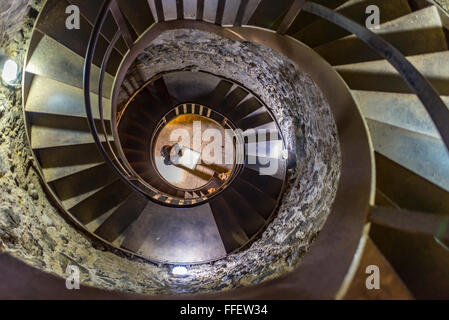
34	231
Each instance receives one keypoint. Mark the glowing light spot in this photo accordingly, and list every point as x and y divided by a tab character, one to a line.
10	70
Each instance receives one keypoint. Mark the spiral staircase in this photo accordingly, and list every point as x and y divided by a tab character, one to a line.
102	172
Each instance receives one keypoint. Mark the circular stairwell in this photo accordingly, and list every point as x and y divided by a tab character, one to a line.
110	187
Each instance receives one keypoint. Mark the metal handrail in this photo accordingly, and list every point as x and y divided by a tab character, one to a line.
429	97
93	40
434	105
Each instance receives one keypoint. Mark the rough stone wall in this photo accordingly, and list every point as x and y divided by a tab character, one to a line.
34	231
11	11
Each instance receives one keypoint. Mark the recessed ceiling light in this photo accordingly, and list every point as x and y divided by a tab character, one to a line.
9	71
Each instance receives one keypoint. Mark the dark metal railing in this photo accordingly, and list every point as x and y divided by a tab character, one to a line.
431	100
118	163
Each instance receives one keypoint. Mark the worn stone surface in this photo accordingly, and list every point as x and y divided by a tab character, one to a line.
34	231
11	11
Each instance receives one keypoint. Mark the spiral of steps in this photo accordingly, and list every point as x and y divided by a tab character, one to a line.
179	226
240	211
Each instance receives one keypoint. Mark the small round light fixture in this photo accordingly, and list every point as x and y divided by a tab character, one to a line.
179	271
9	71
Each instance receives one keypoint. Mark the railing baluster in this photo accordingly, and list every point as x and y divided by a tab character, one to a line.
159	10
200	10
291	15
128	34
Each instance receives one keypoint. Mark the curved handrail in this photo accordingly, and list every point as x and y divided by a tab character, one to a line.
429	97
